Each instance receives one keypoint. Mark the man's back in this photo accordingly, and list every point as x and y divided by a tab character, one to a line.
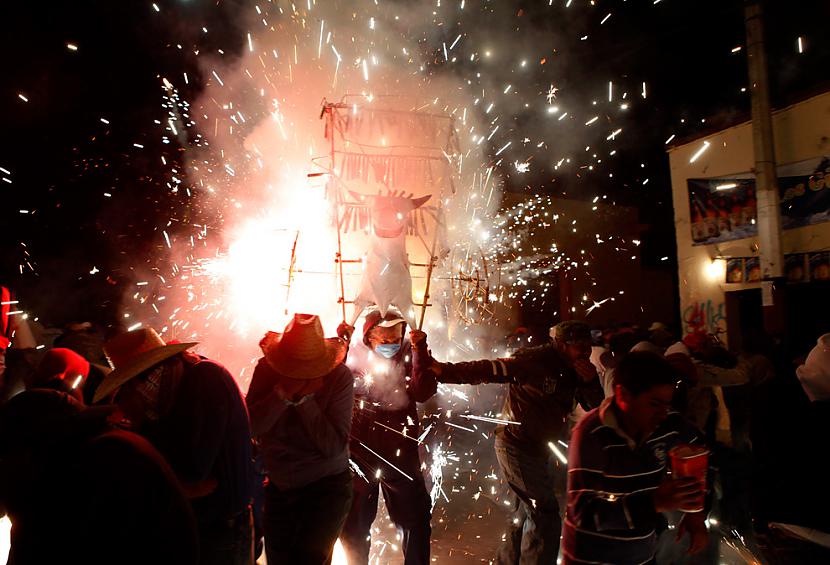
108	499
206	436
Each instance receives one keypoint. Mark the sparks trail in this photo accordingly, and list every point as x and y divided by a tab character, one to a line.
490	420
379	456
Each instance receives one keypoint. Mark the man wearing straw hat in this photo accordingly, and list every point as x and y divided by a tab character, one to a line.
191	410
300	400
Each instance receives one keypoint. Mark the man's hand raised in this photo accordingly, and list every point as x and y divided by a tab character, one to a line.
345	331
416	337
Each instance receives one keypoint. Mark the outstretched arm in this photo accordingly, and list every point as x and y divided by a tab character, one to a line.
469	372
424	366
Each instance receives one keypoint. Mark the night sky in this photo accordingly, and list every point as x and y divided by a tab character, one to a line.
75	140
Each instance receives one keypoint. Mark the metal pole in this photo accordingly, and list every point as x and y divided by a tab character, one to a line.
329	110
766	179
438	213
432	258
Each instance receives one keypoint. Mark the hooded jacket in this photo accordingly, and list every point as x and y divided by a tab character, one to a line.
385	415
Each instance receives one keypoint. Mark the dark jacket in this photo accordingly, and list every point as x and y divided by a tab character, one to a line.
385	407
206	435
305	441
100	497
543	391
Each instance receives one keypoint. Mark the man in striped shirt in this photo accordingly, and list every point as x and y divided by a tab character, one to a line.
617	484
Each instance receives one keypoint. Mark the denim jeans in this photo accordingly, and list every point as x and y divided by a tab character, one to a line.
302	524
533	537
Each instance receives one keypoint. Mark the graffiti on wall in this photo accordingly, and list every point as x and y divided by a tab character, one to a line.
704	317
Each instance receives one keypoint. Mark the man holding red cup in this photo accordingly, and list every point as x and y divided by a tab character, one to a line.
618	463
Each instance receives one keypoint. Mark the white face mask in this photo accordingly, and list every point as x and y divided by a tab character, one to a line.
387	350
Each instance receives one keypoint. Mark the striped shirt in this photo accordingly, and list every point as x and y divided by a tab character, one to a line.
610	516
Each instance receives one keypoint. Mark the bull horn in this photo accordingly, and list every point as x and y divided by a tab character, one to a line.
418	202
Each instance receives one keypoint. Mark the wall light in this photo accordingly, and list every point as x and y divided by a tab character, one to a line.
715	270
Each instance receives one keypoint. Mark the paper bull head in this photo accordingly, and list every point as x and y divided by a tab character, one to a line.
386	280
390	213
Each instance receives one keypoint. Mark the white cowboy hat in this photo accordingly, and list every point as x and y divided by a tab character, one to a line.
132	353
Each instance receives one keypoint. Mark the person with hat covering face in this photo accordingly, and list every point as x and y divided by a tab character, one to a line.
78	491
300	400
191	410
544	384
385	429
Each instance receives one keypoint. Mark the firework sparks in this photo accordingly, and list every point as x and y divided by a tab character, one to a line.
436	472
699	152
251	139
558	453
499	421
379	456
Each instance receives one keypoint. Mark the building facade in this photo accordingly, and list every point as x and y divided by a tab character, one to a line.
713	192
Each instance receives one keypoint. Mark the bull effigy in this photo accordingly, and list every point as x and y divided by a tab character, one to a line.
391	165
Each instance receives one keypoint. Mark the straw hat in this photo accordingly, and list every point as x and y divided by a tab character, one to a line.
132	353
301	351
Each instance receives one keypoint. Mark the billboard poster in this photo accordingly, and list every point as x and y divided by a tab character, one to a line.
820	266
735	270
752	269
725	208
794	267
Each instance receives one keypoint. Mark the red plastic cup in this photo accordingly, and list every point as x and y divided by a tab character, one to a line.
691	461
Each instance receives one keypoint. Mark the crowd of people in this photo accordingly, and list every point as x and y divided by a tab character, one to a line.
137	450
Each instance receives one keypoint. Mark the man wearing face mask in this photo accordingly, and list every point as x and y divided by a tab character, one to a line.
384	442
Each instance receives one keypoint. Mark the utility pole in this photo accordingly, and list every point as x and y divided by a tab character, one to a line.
766	178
